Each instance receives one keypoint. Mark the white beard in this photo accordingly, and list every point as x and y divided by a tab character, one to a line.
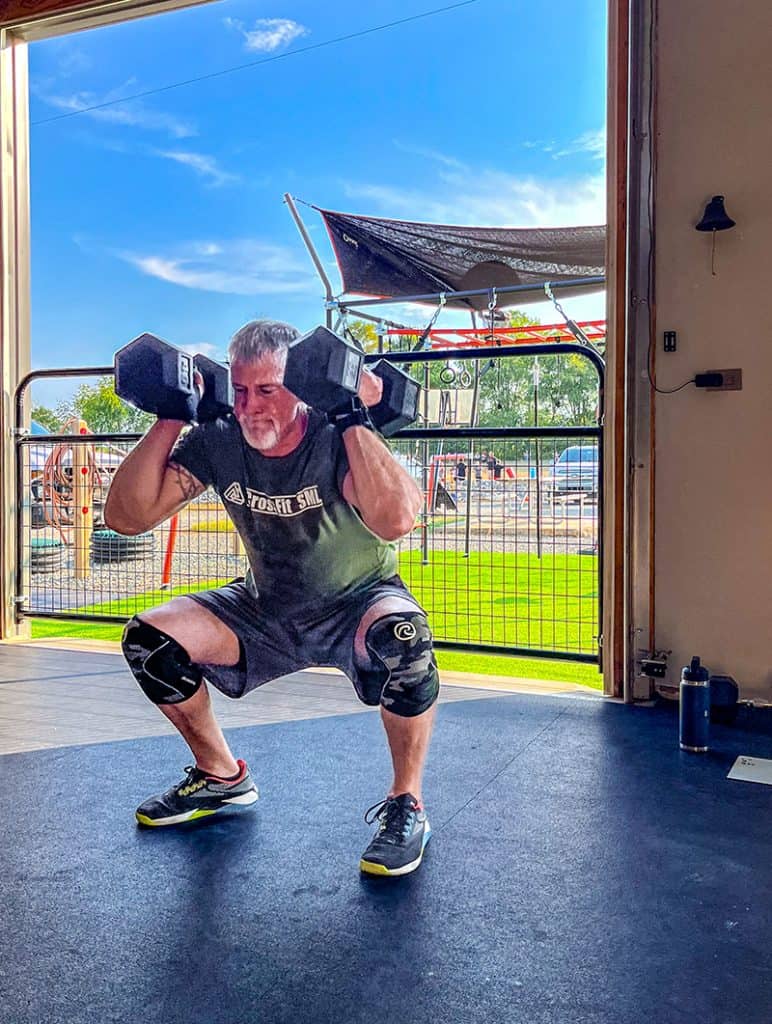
263	438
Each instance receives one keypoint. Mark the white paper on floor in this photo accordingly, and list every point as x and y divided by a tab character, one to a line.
752	769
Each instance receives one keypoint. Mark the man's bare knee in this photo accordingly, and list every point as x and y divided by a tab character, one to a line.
204	637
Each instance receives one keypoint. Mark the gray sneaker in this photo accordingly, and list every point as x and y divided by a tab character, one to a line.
197	796
397	848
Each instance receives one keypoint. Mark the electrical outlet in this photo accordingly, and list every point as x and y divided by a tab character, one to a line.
669	341
733	380
654	663
655	667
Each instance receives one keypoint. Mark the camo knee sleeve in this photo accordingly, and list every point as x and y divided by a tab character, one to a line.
407	683
159	664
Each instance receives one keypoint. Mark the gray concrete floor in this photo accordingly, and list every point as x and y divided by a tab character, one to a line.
71	694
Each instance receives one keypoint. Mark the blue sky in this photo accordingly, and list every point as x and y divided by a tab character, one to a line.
165	213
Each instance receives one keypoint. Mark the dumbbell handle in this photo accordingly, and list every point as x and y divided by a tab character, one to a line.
216	397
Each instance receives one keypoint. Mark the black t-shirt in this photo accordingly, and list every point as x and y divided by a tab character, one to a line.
305	543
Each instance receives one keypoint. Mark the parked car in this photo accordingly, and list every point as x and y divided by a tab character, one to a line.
576	471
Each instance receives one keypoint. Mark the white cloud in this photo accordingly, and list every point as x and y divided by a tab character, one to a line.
207	248
72	60
481	197
428	154
132	114
62	58
541	144
593	143
238	267
268	34
205	166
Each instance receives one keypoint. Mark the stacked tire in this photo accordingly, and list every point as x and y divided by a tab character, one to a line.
109	546
47	554
37	514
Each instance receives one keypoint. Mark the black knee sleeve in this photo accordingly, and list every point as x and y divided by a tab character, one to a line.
160	665
408	682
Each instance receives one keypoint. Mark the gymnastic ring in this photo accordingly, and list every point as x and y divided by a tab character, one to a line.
447	375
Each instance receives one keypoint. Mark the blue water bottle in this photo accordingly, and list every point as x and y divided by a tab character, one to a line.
694	717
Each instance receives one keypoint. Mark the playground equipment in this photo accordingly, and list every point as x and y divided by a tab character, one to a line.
69	478
67	488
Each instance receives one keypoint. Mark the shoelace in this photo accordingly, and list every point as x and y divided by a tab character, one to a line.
192	774
395	820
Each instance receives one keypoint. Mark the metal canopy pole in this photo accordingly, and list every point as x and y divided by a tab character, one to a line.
329	297
377	319
579	282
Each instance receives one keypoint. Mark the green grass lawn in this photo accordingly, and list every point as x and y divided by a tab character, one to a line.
491	598
516	600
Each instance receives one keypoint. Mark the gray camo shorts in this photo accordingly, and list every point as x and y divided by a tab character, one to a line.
273	647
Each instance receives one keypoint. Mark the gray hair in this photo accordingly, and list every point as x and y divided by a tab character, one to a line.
259	337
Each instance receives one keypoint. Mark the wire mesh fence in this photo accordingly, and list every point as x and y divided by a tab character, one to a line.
501	557
72	566
504	555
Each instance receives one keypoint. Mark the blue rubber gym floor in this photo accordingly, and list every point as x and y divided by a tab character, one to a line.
582	869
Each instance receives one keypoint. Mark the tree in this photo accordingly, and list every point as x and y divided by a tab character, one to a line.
567	385
567	393
363	332
103	411
46	418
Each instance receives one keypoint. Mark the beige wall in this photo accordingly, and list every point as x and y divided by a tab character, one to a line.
713	559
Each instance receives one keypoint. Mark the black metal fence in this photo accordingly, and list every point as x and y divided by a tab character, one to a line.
505	555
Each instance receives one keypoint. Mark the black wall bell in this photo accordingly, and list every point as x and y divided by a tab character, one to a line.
715	218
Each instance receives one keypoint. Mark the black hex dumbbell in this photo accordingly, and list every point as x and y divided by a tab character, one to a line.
158	377
323	369
399	403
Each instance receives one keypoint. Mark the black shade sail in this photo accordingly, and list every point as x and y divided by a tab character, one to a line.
397	258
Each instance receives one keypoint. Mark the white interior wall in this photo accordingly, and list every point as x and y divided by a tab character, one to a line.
713	491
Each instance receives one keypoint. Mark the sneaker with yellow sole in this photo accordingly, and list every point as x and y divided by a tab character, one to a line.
397	848
198	796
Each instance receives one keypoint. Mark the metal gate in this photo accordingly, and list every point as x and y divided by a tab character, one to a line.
506	554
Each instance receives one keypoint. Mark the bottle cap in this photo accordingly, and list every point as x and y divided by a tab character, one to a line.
695	672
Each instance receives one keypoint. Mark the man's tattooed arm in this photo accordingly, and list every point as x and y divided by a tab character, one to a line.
189	486
149	486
